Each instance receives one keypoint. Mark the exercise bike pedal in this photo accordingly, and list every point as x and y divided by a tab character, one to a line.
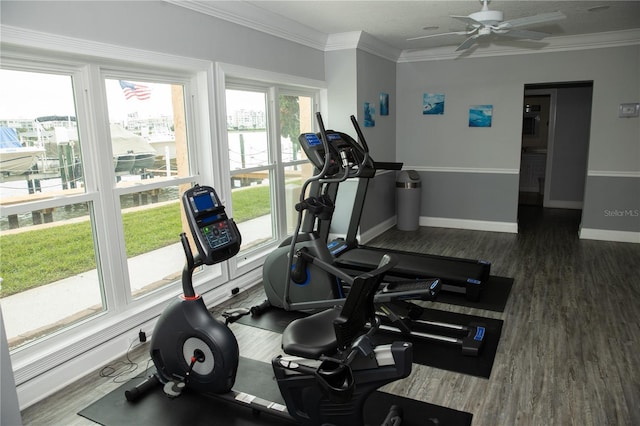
232	315
173	389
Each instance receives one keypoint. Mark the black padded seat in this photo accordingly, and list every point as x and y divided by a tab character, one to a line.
312	336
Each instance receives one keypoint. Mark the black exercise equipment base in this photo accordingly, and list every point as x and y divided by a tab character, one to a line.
458	275
257	379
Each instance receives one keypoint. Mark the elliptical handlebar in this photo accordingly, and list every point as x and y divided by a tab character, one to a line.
361	140
366	160
320	176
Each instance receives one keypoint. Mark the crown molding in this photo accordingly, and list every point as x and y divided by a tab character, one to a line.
363	41
343	41
370	44
254	17
551	44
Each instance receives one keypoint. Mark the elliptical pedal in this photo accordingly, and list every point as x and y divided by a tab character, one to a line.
470	338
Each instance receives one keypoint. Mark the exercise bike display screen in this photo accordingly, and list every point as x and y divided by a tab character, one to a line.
203	202
215	234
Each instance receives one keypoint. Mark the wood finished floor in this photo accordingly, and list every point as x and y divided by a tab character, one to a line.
570	347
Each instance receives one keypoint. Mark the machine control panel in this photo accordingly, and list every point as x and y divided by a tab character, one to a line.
216	235
339	143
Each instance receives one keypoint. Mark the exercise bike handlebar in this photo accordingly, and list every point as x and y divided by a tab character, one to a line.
190	264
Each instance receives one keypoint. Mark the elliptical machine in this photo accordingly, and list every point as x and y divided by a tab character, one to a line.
303	274
331	366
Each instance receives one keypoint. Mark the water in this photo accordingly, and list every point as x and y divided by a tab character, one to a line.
70	211
252	152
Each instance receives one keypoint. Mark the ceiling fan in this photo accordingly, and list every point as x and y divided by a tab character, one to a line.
487	22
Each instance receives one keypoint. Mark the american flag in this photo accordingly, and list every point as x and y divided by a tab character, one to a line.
131	90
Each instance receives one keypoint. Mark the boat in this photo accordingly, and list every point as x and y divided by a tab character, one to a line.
16	159
131	153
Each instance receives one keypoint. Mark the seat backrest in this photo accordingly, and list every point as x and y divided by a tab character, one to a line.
358	308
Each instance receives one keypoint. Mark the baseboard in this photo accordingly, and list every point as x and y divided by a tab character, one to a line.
438	222
475	225
610	235
380	228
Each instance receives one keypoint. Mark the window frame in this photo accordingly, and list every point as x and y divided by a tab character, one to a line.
229	76
121	311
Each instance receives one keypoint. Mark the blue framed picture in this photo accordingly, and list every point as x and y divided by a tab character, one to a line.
369	115
384	103
433	104
480	115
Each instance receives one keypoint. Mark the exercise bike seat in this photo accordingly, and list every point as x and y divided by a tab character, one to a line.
336	328
312	336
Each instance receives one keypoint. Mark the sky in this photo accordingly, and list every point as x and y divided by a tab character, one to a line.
27	95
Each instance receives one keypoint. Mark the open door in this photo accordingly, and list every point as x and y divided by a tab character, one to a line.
555	144
537	142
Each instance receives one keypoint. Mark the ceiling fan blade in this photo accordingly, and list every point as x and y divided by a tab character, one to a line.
467	20
531	35
532	20
438	35
468	42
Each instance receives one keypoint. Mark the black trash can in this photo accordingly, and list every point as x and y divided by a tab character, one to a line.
408	189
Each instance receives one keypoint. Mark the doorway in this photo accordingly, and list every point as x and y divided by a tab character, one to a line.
537	140
554	147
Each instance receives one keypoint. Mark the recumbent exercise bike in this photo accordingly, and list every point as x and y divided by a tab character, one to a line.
331	364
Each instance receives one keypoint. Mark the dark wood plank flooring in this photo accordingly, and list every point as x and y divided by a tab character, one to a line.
570	347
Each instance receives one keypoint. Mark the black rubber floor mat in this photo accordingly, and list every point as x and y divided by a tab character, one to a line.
254	378
425	352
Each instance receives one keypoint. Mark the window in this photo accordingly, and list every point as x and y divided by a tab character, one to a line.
90	216
149	148
296	117
266	163
89	220
48	221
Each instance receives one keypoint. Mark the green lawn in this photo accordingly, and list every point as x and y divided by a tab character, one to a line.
33	258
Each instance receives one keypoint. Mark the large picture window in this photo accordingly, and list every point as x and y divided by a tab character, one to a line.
90	216
266	163
149	143
93	162
47	238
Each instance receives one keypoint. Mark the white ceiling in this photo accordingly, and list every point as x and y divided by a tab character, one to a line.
393	22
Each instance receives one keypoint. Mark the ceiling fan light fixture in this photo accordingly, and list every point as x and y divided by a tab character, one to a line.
488	22
488	17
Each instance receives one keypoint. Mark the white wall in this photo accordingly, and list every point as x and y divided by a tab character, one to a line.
163	27
342	81
353	78
570	146
447	146
376	75
447	141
